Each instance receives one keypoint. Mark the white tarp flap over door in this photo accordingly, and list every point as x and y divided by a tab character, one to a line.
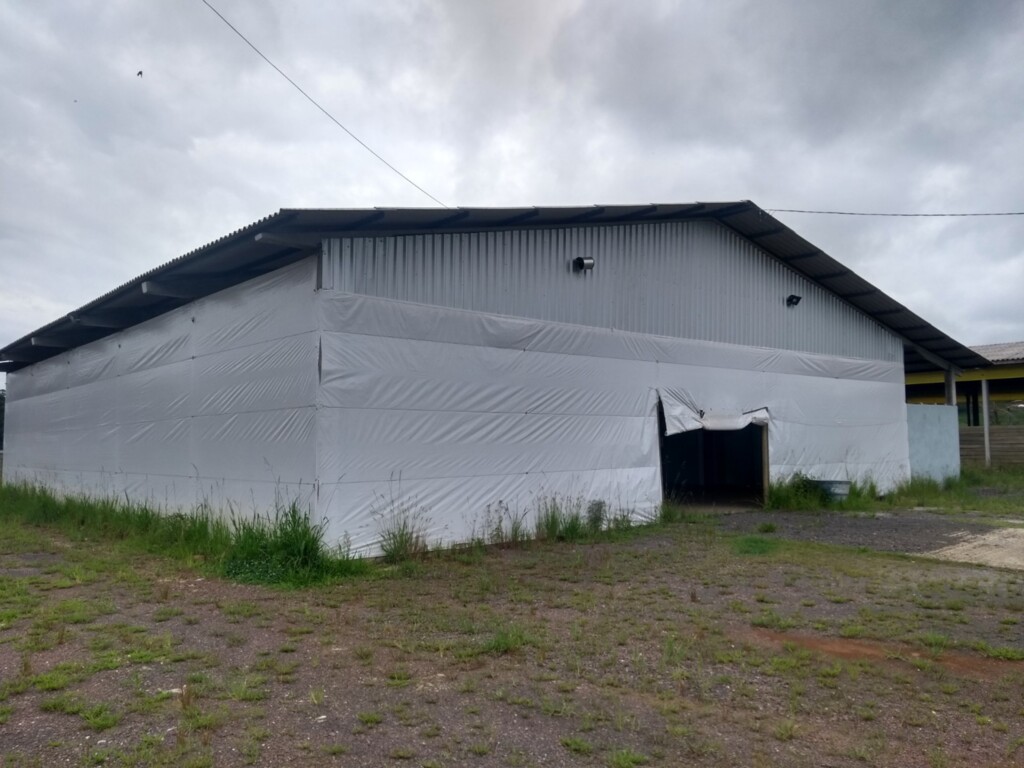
727	421
682	414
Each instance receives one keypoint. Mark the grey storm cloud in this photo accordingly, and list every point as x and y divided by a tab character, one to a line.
818	104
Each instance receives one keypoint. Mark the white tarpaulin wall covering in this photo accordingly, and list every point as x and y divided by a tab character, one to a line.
361	408
210	404
444	413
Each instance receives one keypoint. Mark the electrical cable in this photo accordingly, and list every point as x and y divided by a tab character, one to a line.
901	215
316	104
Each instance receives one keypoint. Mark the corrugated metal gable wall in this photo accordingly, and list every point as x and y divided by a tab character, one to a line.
695	280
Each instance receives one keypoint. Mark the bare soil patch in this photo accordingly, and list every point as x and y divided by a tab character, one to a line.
1002	548
965	665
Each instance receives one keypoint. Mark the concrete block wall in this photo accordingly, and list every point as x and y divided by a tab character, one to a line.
934	435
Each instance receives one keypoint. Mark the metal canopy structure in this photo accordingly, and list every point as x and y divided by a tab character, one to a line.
291	234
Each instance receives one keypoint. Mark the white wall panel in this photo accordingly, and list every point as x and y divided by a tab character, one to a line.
146	395
156	448
273	445
363	371
448	411
263	376
361	445
214	400
273	307
163	341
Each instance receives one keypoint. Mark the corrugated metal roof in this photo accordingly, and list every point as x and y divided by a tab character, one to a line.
1002	354
290	234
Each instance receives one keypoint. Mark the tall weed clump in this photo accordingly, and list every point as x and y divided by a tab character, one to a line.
863	496
402	525
561	519
197	534
597	515
670	513
799	493
504	526
287	547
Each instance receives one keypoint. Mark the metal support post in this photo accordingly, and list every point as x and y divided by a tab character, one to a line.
984	422
950	387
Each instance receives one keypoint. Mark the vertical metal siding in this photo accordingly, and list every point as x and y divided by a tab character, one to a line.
695	280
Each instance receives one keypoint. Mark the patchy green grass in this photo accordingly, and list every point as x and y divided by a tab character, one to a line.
508	639
755	545
626	758
577	745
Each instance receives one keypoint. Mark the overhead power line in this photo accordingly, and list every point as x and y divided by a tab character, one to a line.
316	104
902	215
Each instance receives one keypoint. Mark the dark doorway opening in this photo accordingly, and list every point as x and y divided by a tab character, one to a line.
702	467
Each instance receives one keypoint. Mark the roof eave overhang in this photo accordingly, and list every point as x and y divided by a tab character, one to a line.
292	234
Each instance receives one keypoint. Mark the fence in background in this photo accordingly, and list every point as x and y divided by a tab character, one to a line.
1007	445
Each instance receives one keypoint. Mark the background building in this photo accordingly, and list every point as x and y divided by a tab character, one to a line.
996	390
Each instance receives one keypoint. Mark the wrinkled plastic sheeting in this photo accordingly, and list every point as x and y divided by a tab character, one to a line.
210	405
367	409
451	433
450	417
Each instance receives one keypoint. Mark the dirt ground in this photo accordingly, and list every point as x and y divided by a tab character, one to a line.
1003	548
701	644
911	531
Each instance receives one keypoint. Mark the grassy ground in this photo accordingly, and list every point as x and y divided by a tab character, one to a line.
996	492
678	644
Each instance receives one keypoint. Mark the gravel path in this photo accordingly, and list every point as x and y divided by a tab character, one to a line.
910	531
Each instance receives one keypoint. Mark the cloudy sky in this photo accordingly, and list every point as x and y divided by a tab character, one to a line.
851	105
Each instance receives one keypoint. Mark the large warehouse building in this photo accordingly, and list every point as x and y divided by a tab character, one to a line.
455	361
